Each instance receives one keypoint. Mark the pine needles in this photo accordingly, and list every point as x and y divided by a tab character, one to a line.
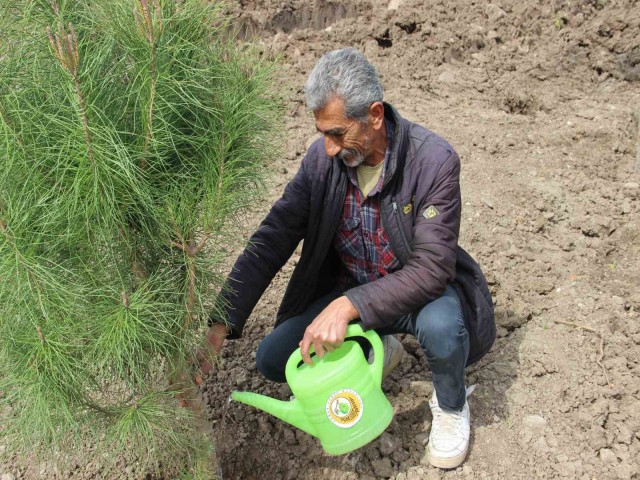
132	133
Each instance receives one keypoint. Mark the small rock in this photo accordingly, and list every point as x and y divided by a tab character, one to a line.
535	422
400	456
479	57
467	470
372	454
382	468
625	435
422	438
494	12
447	77
577	20
415	473
239	415
567	469
242	378
608	457
289	436
394	4
389	444
488	203
432	474
617	300
264	426
625	208
8	476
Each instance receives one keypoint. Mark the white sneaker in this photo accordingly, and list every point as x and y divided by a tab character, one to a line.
449	437
393	353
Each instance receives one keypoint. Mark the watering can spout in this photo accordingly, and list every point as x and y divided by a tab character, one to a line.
290	412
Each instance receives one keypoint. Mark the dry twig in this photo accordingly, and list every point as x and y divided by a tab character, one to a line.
592	330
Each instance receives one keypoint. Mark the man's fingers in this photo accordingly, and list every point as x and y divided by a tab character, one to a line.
304	350
318	348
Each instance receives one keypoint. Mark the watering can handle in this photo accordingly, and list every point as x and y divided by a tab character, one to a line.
353	330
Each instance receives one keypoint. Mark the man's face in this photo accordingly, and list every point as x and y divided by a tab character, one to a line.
346	138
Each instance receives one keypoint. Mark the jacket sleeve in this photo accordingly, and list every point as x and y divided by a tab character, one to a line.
267	251
432	262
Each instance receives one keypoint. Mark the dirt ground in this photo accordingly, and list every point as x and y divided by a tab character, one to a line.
538	99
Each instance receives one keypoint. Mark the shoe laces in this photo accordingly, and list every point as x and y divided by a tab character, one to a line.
446	424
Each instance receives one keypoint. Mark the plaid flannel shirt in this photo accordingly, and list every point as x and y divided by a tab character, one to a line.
362	244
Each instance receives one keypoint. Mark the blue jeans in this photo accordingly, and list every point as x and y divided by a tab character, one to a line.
438	327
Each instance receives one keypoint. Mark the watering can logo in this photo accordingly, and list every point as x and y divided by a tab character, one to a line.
344	408
337	399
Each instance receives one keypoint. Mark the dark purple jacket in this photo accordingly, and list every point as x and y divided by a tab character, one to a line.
422	174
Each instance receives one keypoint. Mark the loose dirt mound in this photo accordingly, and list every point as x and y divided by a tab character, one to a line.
538	101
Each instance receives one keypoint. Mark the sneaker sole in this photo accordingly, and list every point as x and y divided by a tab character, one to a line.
393	362
452	462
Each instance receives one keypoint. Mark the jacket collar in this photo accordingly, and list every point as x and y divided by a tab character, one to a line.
399	145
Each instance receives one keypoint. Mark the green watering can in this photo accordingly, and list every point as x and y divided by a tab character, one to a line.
337	399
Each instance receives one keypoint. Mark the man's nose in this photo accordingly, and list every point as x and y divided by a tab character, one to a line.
331	146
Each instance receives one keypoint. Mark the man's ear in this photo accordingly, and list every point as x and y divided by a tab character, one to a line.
376	115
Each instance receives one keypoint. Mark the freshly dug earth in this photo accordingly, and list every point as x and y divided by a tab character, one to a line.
538	99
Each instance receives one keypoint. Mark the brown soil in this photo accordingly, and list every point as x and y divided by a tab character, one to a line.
538	99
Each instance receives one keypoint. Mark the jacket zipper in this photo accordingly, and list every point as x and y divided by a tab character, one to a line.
396	213
325	247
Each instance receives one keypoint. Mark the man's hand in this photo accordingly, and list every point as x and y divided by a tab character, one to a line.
327	331
183	381
214	339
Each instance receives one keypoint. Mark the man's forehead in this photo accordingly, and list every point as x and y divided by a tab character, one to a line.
333	109
331	116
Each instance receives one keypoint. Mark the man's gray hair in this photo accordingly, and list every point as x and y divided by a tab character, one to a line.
344	74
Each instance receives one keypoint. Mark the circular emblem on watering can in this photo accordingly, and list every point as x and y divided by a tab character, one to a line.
344	408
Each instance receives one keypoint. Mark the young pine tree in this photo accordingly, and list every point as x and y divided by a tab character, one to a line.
132	133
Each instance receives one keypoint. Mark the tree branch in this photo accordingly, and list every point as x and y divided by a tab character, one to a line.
152	33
